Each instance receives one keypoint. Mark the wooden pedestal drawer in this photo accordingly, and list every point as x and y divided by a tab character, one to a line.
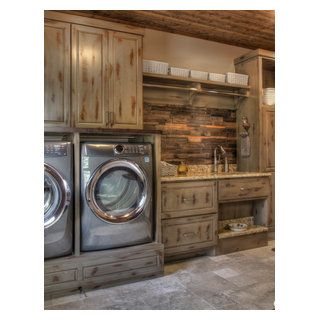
243	188
180	199
189	233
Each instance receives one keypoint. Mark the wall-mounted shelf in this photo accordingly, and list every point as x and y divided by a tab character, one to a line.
194	86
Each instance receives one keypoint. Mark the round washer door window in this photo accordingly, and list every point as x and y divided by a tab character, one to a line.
56	195
118	191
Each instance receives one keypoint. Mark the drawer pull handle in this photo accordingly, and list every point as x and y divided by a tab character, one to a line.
189	235
193	199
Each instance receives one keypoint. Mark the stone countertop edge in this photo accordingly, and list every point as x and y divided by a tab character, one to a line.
216	176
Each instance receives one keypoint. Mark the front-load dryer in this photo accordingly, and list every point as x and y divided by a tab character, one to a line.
58	214
116	195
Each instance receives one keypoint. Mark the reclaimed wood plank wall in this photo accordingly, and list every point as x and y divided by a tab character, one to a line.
190	134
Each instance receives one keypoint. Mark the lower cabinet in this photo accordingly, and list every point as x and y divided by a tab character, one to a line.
184	235
103	268
189	217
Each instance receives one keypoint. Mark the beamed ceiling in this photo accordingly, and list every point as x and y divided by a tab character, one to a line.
244	28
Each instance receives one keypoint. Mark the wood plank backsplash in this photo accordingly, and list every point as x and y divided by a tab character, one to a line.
190	134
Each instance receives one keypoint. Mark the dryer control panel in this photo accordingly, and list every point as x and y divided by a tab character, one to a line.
132	149
55	150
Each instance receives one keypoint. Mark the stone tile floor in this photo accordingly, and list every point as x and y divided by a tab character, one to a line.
237	281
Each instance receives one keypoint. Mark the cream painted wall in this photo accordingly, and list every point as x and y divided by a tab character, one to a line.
182	51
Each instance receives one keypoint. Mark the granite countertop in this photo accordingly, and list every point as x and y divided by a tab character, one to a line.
213	176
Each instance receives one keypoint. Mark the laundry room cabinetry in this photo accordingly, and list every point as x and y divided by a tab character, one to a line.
243	200
56	73
106	78
259	111
98	67
189	217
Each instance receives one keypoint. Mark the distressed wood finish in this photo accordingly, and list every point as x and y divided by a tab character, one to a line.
56	73
190	134
260	66
235	210
189	233
268	142
103	268
188	198
126	81
90	83
243	188
271	222
244	28
244	197
244	242
189	218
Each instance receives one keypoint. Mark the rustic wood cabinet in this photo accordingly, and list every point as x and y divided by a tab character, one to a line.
106	78
189	217
106	74
244	200
90	81
56	73
260	66
126	81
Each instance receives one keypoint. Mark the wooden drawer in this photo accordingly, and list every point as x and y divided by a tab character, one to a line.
60	277
243	188
191	230
112	268
180	199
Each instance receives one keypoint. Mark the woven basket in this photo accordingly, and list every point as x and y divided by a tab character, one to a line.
168	169
237	78
217	77
152	66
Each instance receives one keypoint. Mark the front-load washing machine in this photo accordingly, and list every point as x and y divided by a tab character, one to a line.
58	214
116	195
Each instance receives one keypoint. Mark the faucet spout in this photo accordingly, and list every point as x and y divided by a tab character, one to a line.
224	154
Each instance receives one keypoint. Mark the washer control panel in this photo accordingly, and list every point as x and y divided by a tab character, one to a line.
55	150
132	149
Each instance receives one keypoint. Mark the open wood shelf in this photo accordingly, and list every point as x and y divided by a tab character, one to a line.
250	230
194	86
168	79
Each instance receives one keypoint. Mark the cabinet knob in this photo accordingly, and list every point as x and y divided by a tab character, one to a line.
242	188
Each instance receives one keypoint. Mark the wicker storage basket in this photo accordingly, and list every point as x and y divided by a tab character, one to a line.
217	77
179	72
168	169
237	78
155	66
202	75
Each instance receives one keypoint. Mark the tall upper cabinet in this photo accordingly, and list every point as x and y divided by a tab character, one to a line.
257	151
93	73
56	73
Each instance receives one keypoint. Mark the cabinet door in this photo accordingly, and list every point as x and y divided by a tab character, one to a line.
268	135
89	76
56	73
126	83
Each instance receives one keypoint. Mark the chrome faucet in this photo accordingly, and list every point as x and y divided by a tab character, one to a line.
224	154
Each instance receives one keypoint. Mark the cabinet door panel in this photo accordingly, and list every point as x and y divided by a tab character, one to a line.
89	78
56	73
126	100
268	144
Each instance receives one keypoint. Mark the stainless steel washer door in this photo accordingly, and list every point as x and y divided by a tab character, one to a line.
57	195
118	191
